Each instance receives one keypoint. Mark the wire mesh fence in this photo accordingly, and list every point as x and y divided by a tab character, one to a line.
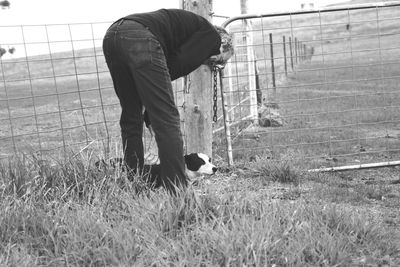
56	94
55	89
320	84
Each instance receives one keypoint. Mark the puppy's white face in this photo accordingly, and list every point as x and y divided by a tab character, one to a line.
198	164
207	167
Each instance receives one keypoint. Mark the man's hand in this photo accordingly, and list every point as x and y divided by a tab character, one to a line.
216	61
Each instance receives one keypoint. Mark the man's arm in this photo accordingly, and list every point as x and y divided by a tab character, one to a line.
200	46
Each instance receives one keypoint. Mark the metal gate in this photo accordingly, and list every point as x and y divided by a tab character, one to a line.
320	84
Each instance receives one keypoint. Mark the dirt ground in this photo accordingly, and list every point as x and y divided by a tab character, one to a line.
375	192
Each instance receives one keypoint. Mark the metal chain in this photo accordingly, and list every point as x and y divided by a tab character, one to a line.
215	97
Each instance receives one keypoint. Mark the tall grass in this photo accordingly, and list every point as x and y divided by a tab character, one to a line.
71	214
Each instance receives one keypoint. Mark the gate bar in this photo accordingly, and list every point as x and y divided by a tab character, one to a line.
357	167
323	10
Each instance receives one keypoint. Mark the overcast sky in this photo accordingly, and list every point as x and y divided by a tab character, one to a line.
68	11
41	12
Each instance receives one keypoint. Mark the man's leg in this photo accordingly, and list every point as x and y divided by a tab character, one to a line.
154	87
131	120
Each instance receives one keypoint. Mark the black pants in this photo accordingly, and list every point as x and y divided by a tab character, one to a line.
140	75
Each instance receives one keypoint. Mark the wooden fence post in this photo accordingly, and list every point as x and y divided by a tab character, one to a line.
251	73
271	44
248	29
198	100
258	87
291	52
284	53
299	47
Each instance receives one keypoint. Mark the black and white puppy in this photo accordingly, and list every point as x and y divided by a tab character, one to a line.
197	165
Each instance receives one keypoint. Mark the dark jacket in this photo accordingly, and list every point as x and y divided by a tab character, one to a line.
186	38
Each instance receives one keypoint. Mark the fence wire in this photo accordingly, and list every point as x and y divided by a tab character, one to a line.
321	85
56	94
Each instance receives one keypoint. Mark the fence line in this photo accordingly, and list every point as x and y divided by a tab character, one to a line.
56	94
53	99
255	88
322	83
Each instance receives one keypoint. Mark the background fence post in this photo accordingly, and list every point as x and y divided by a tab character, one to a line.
250	64
301	52
284	53
227	120
271	45
258	87
291	52
296	48
229	99
198	100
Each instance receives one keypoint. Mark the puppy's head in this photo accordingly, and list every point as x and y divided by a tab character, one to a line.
198	164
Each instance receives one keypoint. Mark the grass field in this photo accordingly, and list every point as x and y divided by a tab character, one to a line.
259	214
340	107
